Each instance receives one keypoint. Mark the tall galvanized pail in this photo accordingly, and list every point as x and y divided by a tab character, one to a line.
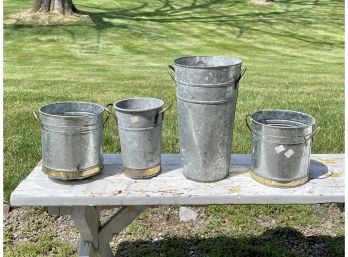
281	150
206	89
140	129
72	139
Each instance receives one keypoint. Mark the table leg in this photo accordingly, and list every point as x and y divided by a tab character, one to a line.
94	238
115	225
87	221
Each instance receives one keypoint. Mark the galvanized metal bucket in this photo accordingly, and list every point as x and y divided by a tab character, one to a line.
281	149
139	122
207	90
72	139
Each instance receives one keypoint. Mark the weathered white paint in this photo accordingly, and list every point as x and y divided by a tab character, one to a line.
172	188
87	220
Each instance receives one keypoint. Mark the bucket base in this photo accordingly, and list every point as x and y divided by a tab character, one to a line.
72	175
206	181
273	183
142	173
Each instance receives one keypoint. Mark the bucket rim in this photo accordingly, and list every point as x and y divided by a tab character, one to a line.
280	127
239	61
137	110
70	116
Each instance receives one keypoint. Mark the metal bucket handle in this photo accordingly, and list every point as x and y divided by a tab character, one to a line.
311	136
246	121
171	70
162	112
110	113
240	77
107	117
36	115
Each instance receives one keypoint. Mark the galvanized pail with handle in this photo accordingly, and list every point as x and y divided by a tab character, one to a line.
72	139
281	147
206	90
139	122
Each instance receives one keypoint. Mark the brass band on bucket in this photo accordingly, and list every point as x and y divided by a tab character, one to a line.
70	175
142	173
273	183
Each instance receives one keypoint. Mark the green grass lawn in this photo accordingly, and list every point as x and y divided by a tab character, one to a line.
294	51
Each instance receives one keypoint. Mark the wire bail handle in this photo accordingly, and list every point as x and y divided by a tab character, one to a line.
171	71
311	136
236	85
36	115
246	121
109	112
162	112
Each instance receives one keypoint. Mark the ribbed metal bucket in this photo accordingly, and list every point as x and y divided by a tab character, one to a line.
72	139
139	122
206	89
281	150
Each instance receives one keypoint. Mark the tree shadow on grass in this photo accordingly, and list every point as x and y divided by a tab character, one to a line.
278	242
263	21
233	17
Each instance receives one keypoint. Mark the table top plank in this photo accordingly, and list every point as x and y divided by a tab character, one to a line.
172	188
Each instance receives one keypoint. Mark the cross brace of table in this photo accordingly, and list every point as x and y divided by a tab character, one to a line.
94	237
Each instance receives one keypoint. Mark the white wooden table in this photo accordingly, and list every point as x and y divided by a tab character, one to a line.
83	199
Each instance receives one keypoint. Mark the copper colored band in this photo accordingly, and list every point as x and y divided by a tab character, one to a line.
142	173
273	183
70	175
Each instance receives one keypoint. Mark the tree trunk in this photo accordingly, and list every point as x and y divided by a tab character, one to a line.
60	6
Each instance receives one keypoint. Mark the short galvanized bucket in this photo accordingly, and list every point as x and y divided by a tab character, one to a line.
206	90
72	139
139	122
281	150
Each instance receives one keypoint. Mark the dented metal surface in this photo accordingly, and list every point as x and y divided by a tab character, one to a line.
207	90
281	147
72	139
139	122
